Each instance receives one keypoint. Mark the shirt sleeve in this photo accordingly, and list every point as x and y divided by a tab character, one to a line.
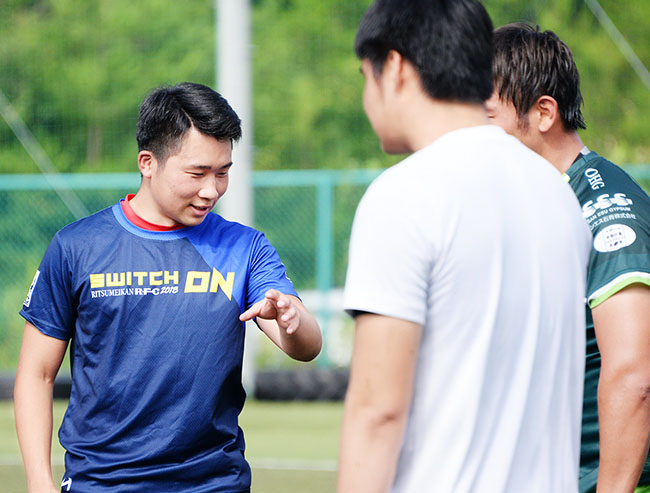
388	268
49	304
266	272
618	214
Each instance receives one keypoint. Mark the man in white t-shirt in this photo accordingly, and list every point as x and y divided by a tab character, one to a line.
466	277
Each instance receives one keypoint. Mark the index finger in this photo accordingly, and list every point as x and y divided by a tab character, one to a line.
252	312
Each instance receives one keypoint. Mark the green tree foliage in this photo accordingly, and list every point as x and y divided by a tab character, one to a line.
308	94
76	72
307	99
616	100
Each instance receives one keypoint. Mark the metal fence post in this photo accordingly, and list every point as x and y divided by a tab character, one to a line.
324	253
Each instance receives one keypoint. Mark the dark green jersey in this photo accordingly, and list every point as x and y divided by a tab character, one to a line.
618	213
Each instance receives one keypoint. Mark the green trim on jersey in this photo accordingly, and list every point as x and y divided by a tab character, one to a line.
617	211
615	286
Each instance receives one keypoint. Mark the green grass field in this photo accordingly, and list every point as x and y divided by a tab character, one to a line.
290	446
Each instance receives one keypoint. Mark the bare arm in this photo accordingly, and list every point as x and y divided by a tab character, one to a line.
622	325
377	403
38	363
286	321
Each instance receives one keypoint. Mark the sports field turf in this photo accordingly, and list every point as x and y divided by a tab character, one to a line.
291	446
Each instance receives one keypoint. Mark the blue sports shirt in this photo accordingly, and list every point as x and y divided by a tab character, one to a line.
156	349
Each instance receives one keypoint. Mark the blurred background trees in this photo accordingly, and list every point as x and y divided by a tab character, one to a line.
76	72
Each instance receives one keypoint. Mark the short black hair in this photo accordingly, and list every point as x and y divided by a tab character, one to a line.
449	42
529	63
169	112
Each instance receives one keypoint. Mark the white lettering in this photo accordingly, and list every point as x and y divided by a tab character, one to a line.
66	483
594	178
28	300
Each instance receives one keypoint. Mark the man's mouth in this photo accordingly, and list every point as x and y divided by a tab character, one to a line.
202	209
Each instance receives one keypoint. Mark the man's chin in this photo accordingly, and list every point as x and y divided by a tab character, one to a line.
394	146
193	222
395	150
189	220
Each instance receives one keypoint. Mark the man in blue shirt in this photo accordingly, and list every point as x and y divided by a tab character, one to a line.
151	295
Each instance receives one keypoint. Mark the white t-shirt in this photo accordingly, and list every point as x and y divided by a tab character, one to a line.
482	242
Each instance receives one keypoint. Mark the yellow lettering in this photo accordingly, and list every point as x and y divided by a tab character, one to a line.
140	277
192	287
97	281
154	278
195	282
114	279
169	278
219	282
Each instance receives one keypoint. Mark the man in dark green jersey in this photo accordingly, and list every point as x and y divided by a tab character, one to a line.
537	99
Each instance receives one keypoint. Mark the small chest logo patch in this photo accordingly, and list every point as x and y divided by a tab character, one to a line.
614	238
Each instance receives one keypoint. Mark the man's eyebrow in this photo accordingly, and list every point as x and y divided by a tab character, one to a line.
207	167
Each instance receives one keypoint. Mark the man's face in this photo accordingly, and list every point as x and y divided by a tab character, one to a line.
372	97
375	104
504	114
187	186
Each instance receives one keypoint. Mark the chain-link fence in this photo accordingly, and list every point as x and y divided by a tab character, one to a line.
74	73
307	216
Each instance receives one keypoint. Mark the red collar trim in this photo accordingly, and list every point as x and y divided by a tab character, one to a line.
143	223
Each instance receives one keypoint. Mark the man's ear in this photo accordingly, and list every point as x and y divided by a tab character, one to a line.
400	72
393	69
547	113
146	163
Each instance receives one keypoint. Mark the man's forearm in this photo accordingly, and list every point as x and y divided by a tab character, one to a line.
377	403
622	325
33	413
369	450
624	420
